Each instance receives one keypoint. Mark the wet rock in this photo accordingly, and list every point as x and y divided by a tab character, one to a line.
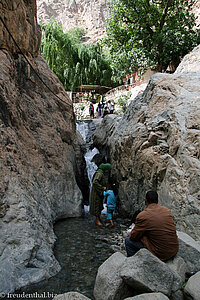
178	295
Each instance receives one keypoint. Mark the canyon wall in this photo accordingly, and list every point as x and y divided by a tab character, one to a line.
87	14
21	19
40	153
156	145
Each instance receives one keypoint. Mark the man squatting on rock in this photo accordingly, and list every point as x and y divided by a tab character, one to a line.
154	229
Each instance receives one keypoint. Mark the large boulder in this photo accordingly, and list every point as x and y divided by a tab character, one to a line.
191	62
71	296
144	272
178	265
192	288
189	250
155	145
41	156
109	284
149	296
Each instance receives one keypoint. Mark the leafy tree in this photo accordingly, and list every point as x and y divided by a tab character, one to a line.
142	33
74	62
122	101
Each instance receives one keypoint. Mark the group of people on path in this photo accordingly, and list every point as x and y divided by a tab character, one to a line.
154	227
102	109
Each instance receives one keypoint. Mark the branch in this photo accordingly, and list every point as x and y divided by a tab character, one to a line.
164	14
150	31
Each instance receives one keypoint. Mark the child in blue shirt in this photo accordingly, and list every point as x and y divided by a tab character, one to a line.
110	199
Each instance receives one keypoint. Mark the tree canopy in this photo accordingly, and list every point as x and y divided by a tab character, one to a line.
143	33
74	62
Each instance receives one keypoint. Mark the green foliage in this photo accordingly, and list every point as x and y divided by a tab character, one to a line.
122	101
73	62
183	285
143	33
82	107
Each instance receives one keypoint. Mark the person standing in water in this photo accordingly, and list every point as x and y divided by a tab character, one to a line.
111	198
99	185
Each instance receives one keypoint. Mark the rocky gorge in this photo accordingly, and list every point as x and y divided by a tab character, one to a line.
155	144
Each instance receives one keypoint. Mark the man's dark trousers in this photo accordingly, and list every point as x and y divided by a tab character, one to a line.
132	246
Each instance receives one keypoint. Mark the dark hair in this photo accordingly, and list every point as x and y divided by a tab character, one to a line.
152	197
113	186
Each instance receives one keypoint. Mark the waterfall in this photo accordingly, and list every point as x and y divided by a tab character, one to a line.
85	128
91	166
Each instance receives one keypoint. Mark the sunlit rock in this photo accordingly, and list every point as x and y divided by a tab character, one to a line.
156	145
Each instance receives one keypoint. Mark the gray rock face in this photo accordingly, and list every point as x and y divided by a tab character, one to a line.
189	250
149	296
142	274
192	288
178	265
38	174
40	159
191	62
146	273
155	145
27	32
71	296
109	284
87	14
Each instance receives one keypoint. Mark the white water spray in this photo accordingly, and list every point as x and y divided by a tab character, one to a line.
91	167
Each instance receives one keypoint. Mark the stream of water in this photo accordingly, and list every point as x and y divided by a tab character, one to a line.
81	247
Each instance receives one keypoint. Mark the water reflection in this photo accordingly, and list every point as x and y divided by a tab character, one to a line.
81	248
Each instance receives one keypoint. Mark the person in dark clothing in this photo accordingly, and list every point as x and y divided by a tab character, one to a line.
99	109
91	111
105	111
99	185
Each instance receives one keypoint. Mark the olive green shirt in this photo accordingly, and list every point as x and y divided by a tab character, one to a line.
99	184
